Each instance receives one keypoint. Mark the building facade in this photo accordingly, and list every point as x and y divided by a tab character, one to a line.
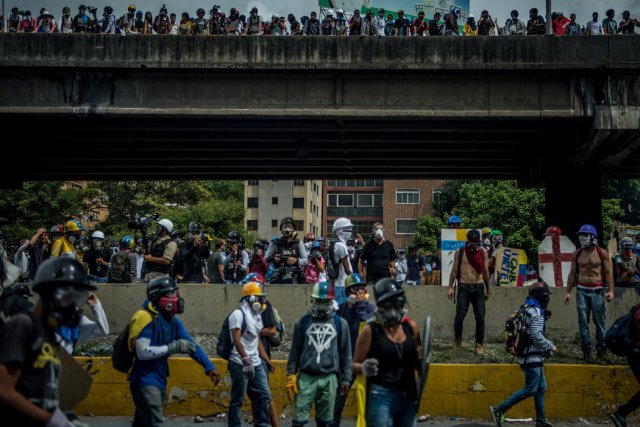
268	201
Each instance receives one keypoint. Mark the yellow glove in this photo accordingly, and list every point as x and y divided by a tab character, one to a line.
292	386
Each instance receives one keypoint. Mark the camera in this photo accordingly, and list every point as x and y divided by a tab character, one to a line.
215	9
142	221
92	9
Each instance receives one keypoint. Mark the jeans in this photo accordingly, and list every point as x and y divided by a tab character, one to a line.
634	402
473	295
340	294
535	384
257	389
591	304
149	401
389	407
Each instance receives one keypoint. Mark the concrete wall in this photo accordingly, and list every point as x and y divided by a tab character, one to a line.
208	305
452	390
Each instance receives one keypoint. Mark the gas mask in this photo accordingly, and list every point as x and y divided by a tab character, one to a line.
73	237
98	243
321	308
171	303
287	230
67	302
586	240
378	234
344	234
497	240
391	313
257	304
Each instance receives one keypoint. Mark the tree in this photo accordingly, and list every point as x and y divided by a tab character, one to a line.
448	198
627	192
427	232
611	211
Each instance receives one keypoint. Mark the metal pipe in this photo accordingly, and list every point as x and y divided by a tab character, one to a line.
548	18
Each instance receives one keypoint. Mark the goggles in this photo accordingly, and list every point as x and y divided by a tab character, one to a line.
67	296
320	301
397	303
352	290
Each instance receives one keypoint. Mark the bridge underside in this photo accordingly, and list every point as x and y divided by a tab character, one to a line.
227	147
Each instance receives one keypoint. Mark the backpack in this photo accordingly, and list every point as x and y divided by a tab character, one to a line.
121	357
333	267
618	338
225	342
277	339
516	339
119	272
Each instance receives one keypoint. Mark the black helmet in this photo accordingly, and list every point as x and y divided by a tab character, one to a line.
160	286
176	233
626	13
473	235
108	9
534	10
200	10
515	12
66	9
540	291
254	9
287	220
194	226
234	237
15	10
386	289
61	271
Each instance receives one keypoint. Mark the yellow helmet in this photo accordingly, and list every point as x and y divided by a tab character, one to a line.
486	230
73	225
132	7
252	288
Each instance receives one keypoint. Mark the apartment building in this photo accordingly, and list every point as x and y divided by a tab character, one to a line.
268	201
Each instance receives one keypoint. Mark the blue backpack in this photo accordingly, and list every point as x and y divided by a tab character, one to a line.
618	337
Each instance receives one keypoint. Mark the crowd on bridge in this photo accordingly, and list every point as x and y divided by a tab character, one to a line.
370	22
342	335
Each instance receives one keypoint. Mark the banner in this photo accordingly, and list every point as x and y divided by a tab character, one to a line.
511	267
410	8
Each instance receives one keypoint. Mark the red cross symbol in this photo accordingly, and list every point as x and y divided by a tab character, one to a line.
556	258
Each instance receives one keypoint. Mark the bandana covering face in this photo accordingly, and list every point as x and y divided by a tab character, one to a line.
474	256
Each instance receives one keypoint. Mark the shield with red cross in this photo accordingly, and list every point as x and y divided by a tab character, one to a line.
554	260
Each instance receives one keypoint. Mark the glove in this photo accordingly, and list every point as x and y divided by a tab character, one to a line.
370	367
291	386
248	369
181	346
58	419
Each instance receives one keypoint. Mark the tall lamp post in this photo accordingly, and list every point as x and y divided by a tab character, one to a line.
548	18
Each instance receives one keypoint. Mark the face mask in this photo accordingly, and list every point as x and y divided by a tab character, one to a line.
352	299
497	240
98	244
287	230
321	311
344	235
487	242
390	317
258	307
67	306
73	238
171	304
378	234
474	246
585	241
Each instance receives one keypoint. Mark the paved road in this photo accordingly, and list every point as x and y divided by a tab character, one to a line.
438	422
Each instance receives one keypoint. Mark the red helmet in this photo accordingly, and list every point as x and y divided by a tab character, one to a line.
553	231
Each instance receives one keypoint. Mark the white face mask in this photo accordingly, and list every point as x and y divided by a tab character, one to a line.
72	238
378	234
344	235
584	240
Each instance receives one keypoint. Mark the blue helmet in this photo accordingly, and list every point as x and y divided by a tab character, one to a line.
454	219
353	280
322	290
316	244
127	242
588	229
253	277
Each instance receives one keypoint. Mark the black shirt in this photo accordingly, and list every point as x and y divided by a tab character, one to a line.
378	258
25	345
90	257
192	261
268	321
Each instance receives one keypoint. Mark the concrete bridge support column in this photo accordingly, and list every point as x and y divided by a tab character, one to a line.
573	197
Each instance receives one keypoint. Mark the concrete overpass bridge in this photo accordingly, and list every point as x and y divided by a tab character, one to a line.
556	111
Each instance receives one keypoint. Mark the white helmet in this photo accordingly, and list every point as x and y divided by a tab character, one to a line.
97	235
341	223
340	12
471	15
168	225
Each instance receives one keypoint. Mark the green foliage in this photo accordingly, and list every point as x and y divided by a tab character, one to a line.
225	190
611	211
449	197
427	233
627	192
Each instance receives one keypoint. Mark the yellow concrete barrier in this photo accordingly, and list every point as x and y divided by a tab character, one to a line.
452	390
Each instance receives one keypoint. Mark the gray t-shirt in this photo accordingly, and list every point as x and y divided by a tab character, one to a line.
214	261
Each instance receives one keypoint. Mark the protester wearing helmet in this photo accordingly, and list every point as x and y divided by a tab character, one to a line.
485	237
65	245
355	311
590	272
200	24
497	241
292	252
245	366
128	20
192	256
339	256
96	258
386	354
65	22
379	256
80	22
236	264
319	362
470	271
162	252
30	390
627	267
453	222
254	25
155	333
533	354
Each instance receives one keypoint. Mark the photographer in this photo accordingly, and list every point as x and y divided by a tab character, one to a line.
257	264
292	251
192	255
161	253
216	21
314	272
236	245
234	272
162	25
96	258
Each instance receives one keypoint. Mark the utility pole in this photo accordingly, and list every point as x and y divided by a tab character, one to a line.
4	19
548	18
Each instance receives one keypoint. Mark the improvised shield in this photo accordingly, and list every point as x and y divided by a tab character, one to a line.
426	359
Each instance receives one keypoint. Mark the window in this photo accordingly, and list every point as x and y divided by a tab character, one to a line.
408	196
299	225
355	183
274	200
253	182
252	202
252	224
298	203
340	200
435	198
368	200
298	182
310	206
274	223
406	226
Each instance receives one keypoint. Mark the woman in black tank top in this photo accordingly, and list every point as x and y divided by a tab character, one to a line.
386	353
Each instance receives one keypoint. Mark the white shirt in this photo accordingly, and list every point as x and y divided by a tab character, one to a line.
89	330
339	252
251	335
595	28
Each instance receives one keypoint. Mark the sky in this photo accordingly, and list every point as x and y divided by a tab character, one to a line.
499	9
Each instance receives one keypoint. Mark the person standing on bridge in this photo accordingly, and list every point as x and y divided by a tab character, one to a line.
536	25
470	270
627	25
609	25
381	23
590	271
514	26
355	24
594	28
312	26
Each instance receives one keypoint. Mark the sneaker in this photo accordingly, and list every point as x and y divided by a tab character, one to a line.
618	420
497	415
479	350
544	423
587	355
457	342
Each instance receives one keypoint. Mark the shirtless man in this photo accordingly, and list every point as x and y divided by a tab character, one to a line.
590	271
471	273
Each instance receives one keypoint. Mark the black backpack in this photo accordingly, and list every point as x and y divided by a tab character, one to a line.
516	339
333	267
618	338
121	357
225	342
